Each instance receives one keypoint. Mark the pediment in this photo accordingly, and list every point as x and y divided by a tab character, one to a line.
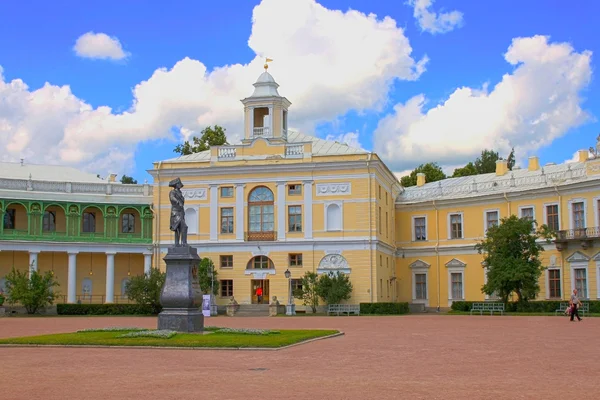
596	257
455	263
419	264
578	257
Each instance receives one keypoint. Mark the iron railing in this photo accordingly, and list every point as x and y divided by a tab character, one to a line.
261	236
578	234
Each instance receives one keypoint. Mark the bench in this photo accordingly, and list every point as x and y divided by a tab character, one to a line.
488	307
583	308
343	308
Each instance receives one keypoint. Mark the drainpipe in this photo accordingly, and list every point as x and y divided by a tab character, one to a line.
507	203
562	260
370	230
437	253
157	227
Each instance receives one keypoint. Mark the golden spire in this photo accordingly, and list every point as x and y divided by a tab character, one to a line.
267	61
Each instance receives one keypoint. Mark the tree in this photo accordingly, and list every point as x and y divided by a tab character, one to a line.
432	172
308	294
467	170
32	292
486	163
511	159
209	137
206	280
146	290
512	255
128	180
334	287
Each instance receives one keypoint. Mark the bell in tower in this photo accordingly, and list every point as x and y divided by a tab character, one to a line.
265	111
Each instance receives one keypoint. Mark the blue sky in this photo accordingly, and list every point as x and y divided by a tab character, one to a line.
37	47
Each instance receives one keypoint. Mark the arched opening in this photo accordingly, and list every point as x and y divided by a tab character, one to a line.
54	220
334	217
260	262
16	219
130	222
261	217
92	220
191	219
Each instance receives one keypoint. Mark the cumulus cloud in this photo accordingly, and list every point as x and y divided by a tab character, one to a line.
350	138
327	63
99	46
536	103
432	22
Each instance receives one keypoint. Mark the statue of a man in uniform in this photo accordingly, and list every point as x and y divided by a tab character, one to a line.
178	213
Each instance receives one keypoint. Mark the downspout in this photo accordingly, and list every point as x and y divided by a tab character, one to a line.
437	254
562	258
157	227
370	230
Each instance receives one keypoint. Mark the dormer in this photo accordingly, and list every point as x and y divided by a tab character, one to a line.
265	112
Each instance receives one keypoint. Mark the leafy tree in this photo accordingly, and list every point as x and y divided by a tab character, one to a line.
128	180
432	172
512	254
209	137
308	294
33	292
467	170
206	280
146	290
334	287
511	159
486	163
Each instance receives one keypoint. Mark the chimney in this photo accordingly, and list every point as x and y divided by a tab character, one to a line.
420	179
501	167
112	178
583	155
534	163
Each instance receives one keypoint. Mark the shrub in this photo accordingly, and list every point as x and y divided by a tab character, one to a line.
146	290
105	309
334	287
544	306
32	292
384	308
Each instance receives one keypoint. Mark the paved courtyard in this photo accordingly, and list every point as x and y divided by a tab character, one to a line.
407	357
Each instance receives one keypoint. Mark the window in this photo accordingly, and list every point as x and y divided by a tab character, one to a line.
295	218
578	215
552	217
379	192
421	286
226	261
227	220
89	222
581	282
379	220
554	283
296	285
260	208
456	231
9	218
420	228
226	287
386	198
295	260
527	213
294	190
491	219
387	225
457	285
260	262
128	223
227	191
49	221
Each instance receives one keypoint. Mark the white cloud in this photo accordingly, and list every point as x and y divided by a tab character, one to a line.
99	45
327	63
575	157
432	22
350	138
529	108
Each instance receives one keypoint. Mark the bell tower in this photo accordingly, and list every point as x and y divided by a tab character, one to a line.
265	111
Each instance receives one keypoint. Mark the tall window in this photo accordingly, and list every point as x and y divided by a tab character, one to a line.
578	216
261	210
552	217
89	222
226	287
296	285
457	285
49	221
421	286
260	262
527	213
227	220
456	230
581	282
554	283
9	218
387	224
420	228
128	223
379	216
295	218
491	219
294	189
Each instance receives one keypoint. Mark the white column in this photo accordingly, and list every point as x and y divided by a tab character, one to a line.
280	210
271	121
251	135
72	279
110	278
308	209
33	262
239	211
147	263
214	212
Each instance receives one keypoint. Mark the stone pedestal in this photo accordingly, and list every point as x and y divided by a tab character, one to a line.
273	307
181	297
232	307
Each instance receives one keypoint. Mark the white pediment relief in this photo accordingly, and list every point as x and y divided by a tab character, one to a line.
332	263
194	194
333	189
419	264
578	257
455	263
596	257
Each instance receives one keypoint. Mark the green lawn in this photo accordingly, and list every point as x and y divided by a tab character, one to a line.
213	339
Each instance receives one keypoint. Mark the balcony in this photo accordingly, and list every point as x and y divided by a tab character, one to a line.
583	235
261	236
227	153
262	131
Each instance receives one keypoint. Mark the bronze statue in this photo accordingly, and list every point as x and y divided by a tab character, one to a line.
178	212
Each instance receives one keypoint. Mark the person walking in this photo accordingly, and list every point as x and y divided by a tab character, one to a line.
259	294
575	303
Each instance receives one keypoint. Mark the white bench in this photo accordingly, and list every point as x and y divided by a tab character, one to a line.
583	308
343	308
488	307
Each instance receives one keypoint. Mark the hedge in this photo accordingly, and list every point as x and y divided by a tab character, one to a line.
529	307
384	308
104	309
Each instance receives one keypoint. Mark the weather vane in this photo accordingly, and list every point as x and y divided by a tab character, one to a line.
267	61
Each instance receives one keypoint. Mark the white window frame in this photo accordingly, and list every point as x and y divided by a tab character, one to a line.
485	224
455	266
545	214
560	282
420	267
584	266
570	210
462	223
414	232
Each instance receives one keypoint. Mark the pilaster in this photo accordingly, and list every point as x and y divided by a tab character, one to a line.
239	211
308	209
110	277
281	210
72	278
214	212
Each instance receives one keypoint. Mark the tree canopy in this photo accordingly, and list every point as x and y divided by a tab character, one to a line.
433	172
207	277
147	289
128	180
484	164
210	136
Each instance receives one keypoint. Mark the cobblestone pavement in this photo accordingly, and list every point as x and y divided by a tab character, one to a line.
405	357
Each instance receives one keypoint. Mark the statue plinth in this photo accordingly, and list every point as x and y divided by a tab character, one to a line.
181	297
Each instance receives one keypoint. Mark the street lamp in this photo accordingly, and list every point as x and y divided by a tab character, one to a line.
290	308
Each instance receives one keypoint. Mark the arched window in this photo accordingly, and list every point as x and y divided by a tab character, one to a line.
261	210
334	217
260	262
191	219
49	221
128	223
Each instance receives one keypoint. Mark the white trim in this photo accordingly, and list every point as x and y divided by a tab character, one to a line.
580	265
455	266
462	224
10	245
596	204
545	213
334	189
307	187
281	209
340	204
413	236
214	211
239	211
527	206
598	278
485	213
250	169
560	284
570	211
416	272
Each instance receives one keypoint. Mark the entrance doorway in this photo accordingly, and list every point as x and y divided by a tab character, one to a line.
264	285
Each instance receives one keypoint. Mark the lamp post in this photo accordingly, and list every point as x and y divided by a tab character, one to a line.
290	308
